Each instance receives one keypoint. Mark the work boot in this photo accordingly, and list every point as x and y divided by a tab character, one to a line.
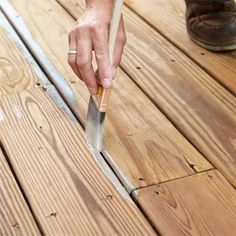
212	23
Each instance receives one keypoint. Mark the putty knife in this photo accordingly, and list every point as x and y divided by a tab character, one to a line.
98	104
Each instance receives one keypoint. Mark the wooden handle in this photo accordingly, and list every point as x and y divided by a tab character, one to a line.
102	99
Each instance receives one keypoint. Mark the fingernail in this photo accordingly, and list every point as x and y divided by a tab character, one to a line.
106	83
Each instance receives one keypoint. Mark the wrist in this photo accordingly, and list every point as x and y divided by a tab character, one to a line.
102	9
105	4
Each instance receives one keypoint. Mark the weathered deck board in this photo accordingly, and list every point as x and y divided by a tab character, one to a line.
43	204
68	192
131	134
202	109
15	216
202	204
168	17
15	72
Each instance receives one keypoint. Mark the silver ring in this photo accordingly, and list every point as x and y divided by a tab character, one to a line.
72	52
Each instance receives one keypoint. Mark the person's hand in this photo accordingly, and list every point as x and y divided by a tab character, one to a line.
91	32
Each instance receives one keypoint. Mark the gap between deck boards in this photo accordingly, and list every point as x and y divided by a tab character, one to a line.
179	178
20	187
131	193
118	178
60	103
152	100
183	135
52	74
59	100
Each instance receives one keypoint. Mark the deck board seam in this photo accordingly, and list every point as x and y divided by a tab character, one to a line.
53	74
149	97
51	83
47	77
182	177
165	197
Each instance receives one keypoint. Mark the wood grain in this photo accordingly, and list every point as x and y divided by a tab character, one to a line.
15	216
201	109
68	192
15	71
202	204
143	144
168	17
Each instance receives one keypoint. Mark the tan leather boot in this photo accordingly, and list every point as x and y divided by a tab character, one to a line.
212	23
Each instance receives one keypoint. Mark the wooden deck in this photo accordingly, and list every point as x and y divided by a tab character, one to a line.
169	164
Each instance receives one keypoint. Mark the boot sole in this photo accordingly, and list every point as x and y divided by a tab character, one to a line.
215	48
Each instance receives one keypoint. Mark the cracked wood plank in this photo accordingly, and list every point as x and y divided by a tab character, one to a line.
15	216
68	192
168	17
202	204
198	106
144	146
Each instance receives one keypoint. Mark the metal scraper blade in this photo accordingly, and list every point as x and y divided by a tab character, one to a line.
94	125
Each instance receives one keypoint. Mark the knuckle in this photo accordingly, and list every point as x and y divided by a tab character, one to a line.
122	38
117	61
101	54
104	74
77	29
93	26
80	28
69	36
90	83
71	61
73	31
82	62
97	27
125	38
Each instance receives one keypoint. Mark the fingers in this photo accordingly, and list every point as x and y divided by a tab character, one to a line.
72	57
91	33
102	55
84	63
100	43
81	63
120	43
